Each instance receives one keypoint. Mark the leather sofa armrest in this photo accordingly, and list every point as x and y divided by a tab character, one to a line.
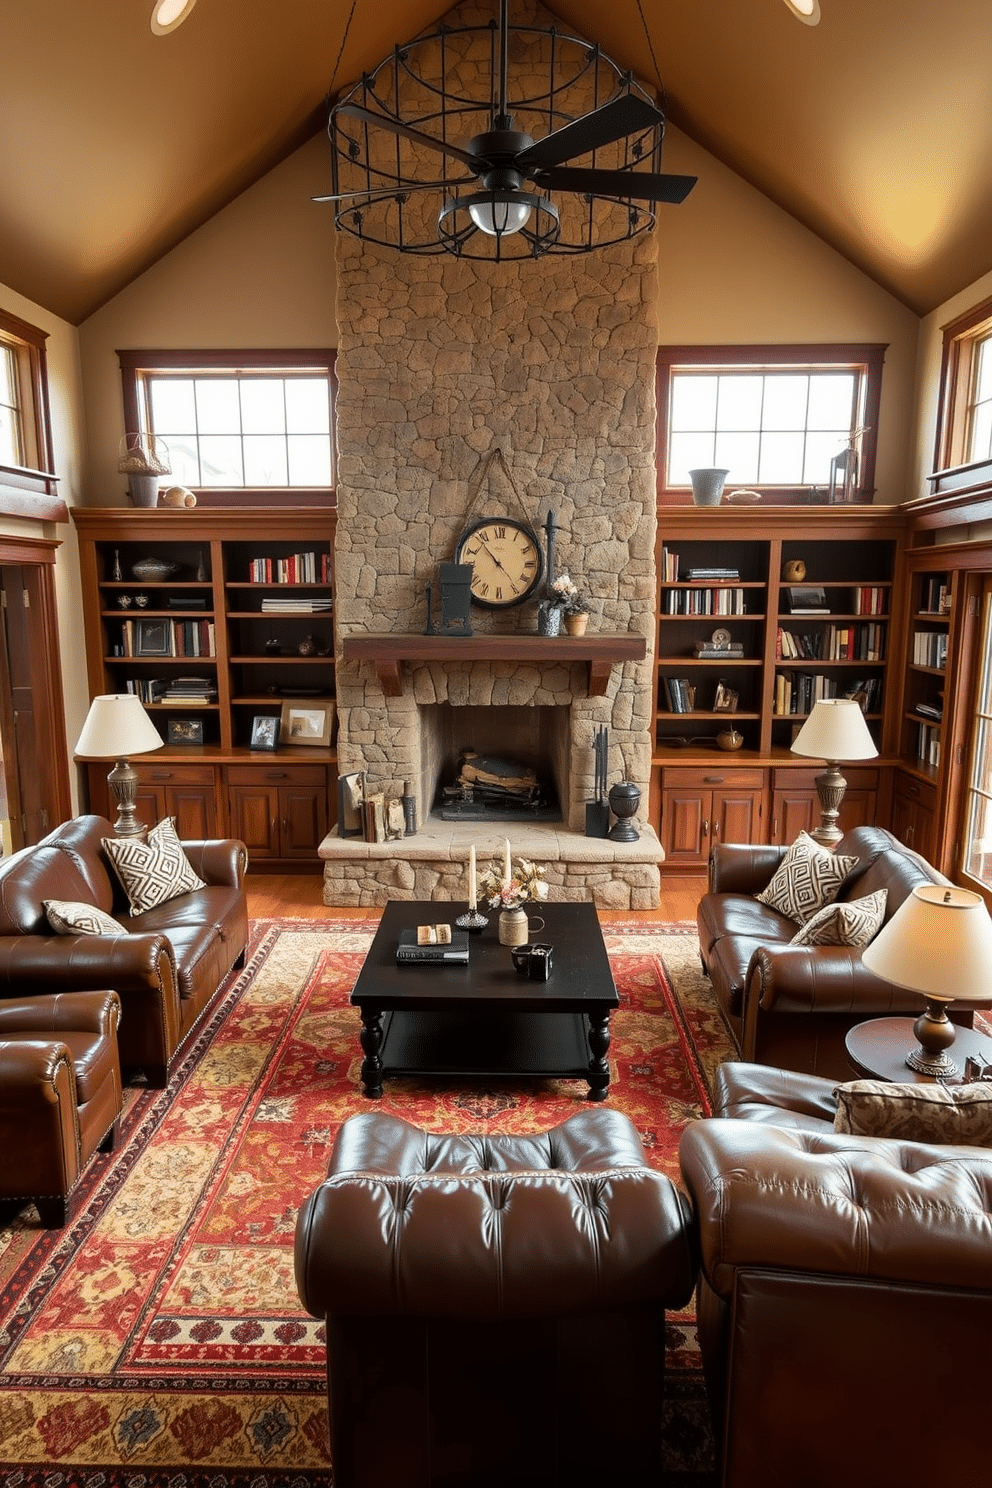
818	979
771	1198
219	860
46	963
78	1012
739	868
494	1244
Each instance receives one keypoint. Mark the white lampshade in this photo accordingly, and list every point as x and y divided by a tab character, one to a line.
835	730
117	726
939	943
499	215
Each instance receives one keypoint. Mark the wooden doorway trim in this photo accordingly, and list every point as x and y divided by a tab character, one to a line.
35	558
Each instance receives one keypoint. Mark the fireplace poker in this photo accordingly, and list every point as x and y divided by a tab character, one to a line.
598	811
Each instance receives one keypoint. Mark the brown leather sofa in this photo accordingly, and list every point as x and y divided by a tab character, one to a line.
791	1006
494	1305
168	965
845	1295
60	1095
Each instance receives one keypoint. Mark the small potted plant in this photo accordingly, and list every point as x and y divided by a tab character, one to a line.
573	604
508	886
144	459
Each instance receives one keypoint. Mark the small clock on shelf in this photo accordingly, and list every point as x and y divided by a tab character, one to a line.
506	558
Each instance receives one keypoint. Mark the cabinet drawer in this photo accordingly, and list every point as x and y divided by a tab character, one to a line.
920	791
276	774
680	777
858	778
174	774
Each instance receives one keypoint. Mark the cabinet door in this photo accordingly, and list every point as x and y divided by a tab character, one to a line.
685	825
793	811
913	815
255	818
735	816
302	819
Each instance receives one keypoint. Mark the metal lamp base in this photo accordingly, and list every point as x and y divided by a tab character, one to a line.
123	782
830	787
935	1032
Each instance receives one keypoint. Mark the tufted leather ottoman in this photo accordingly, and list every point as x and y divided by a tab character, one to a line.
60	1094
495	1305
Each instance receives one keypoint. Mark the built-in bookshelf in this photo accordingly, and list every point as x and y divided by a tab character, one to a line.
931	608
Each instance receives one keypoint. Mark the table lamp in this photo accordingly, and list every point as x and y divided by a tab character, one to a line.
835	731
118	726
938	942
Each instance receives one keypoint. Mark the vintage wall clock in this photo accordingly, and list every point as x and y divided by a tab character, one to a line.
507	560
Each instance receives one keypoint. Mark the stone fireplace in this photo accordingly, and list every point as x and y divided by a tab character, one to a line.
441	362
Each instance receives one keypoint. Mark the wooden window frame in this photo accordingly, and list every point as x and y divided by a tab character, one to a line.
135	365
31	490
961	338
848	356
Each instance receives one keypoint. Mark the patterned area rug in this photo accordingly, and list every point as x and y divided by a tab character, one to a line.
158	1341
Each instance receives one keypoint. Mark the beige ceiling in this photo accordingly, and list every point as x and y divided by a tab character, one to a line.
874	128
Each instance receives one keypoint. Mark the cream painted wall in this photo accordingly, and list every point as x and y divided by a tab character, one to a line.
65	396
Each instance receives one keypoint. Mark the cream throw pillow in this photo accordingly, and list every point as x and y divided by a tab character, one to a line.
851	922
808	877
957	1116
67	917
155	871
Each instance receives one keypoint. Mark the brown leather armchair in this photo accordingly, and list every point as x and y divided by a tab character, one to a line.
495	1305
845	1295
60	1095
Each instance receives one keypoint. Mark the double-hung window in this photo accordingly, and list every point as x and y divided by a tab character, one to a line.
238	422
28	485
789	421
964	433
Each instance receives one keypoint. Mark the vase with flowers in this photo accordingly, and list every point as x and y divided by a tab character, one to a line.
572	605
508	886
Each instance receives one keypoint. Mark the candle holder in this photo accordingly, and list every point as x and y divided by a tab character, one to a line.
472	921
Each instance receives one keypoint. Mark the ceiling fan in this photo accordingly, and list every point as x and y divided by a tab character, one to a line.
509	172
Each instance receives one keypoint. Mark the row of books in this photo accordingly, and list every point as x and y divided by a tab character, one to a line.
187	691
928	743
833	643
298	568
728	601
296	606
870	599
168	638
930	648
935	597
796	692
680	694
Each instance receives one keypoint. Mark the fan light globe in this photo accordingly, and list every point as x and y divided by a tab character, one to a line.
499	215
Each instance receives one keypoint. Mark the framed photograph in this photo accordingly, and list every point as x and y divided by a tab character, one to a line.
152	638
725	699
264	732
309	722
185	730
351	791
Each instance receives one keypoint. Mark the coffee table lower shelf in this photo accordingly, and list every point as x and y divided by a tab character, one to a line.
539	1046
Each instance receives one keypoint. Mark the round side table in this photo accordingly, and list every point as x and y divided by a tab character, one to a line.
877	1050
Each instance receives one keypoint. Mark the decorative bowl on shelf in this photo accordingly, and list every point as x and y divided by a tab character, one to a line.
153	570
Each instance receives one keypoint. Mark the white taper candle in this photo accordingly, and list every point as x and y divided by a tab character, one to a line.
472	901
507	870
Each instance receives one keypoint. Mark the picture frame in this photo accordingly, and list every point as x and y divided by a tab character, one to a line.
265	732
185	731
725	699
351	790
152	638
307	722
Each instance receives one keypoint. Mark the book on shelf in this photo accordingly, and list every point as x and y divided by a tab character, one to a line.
295	606
806	601
409	950
681	694
930	649
669	566
708	575
298	568
935	598
869	599
707	651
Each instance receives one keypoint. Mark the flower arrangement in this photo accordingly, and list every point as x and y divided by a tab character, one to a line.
509	885
564	593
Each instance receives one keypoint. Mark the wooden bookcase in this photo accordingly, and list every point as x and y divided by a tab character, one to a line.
209	656
762	792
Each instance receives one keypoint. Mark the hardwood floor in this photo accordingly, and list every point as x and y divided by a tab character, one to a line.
300	896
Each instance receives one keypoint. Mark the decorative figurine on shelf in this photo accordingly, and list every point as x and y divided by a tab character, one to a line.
456	599
794	571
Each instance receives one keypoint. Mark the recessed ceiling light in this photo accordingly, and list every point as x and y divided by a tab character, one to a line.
168	14
807	11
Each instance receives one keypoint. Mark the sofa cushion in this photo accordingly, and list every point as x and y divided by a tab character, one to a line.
68	918
853	922
958	1116
154	871
809	877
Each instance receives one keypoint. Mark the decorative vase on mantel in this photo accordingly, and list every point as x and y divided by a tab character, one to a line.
576	624
512	927
548	619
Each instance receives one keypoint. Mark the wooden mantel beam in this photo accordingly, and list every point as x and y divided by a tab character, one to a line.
389	651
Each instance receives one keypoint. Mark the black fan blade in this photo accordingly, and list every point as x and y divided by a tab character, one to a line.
638	185
615	120
374	193
383	121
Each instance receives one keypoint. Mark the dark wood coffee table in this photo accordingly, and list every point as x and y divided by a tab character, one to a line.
484	1021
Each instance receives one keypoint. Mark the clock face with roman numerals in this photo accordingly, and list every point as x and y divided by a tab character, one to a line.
506	558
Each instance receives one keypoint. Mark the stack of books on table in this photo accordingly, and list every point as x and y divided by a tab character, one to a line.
408	948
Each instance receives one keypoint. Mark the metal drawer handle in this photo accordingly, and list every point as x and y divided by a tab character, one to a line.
714	779
161	774
277	774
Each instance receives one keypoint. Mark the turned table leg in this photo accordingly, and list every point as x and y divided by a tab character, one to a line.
371	1040
599	1044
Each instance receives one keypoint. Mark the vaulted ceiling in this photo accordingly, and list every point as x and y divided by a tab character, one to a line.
874	128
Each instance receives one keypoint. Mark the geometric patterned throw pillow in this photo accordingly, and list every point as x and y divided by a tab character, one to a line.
808	877
852	922
154	871
69	918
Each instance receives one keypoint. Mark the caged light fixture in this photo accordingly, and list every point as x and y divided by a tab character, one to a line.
506	137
